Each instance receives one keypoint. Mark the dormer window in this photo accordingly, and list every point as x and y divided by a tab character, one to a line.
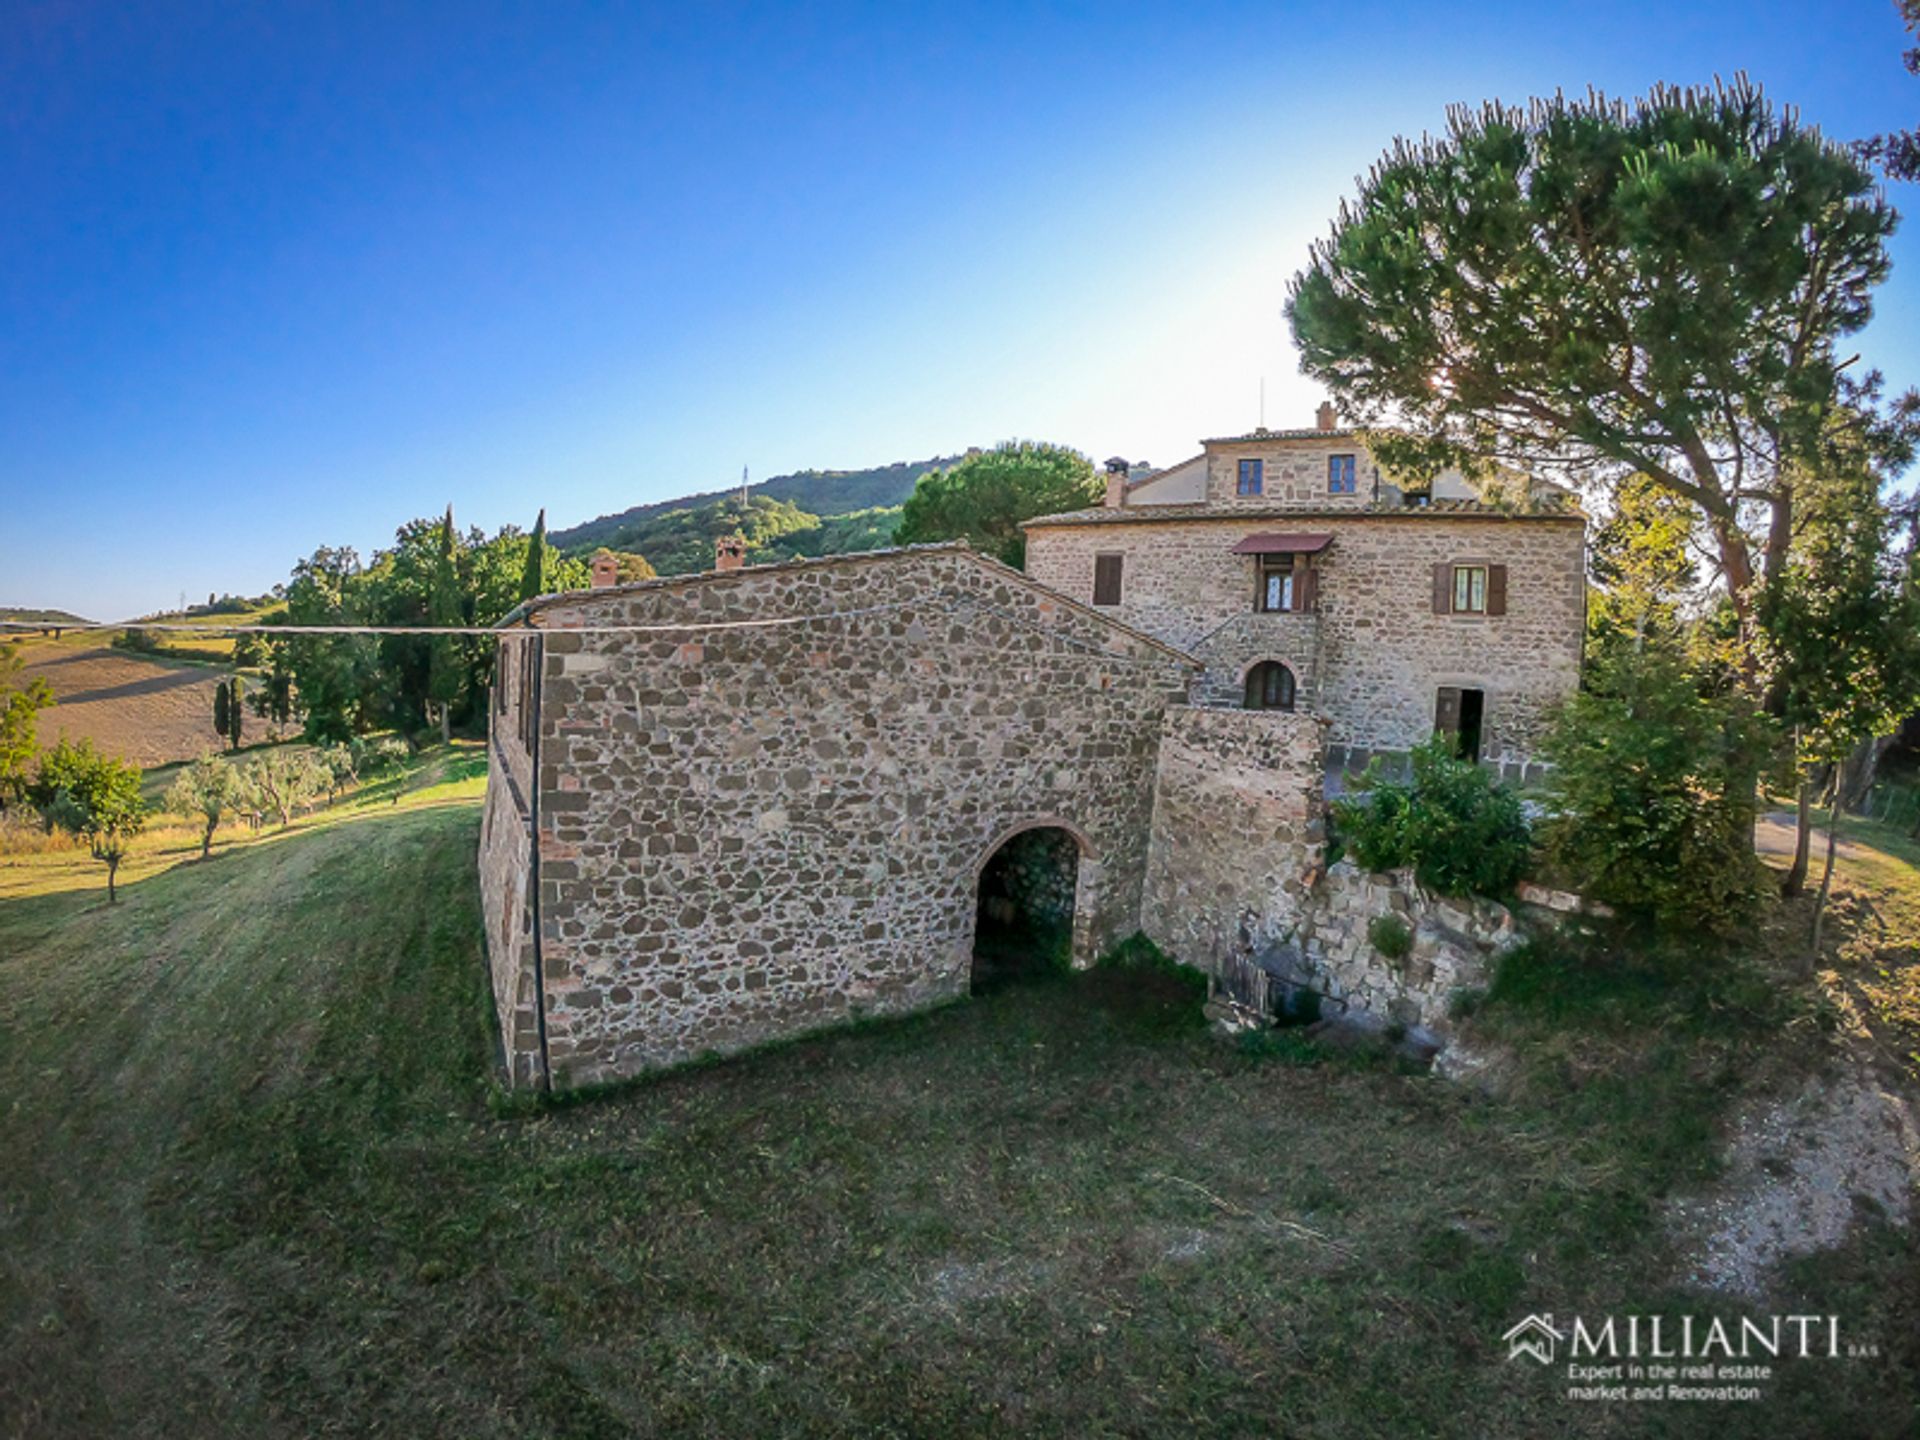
1253	478
1340	475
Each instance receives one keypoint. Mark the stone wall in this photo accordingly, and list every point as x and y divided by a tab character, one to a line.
1375	654
506	874
751	831
1239	830
1454	944
1235	879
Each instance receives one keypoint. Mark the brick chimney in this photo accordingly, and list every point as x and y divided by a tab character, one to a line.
1117	483
1326	416
606	570
730	552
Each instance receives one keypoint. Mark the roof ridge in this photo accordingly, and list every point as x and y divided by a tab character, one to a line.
527	608
1202	510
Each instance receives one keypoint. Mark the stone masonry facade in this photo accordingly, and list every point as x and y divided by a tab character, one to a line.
763	799
1372	646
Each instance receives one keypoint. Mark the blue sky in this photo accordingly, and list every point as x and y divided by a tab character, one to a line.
286	275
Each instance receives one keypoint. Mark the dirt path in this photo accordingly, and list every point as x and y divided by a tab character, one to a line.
1774	835
1805	1165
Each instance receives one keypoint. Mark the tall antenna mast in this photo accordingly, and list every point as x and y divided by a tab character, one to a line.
1263	402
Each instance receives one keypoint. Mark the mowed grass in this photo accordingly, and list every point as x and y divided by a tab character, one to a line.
255	1180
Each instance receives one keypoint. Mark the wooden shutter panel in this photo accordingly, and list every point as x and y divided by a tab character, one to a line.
1443	588
1496	589
1446	710
1305	583
1106	579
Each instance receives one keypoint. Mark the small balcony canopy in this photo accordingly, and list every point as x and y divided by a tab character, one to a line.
1283	544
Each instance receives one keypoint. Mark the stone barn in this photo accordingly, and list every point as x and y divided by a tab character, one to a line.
729	807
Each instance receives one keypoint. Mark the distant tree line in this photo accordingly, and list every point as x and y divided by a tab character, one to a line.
340	686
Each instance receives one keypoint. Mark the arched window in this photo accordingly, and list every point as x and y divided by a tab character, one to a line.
1269	686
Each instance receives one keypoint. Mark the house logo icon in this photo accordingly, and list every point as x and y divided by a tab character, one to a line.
1533	1336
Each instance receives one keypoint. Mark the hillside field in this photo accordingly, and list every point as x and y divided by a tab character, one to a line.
145	709
256	1180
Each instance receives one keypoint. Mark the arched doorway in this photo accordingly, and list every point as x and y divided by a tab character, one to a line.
1025	900
1269	686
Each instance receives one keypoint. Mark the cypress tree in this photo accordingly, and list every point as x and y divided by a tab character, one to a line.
222	703
535	581
446	672
236	712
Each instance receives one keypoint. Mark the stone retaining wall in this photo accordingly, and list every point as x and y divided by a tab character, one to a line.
1454	943
1234	875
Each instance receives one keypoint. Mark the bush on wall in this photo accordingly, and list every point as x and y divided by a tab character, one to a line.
1390	936
1462	833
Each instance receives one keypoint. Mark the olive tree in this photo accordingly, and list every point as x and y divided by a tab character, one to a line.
206	791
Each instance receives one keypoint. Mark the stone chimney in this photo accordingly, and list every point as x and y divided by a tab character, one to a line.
1326	416
606	570
730	552
1117	483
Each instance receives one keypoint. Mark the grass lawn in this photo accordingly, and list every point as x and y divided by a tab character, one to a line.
255	1180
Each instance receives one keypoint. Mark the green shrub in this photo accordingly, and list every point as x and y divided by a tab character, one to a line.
1653	791
1462	833
379	754
1390	936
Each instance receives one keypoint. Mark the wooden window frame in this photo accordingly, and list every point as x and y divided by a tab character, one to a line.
1108	596
1255	467
1447	588
1463	596
1343	478
1264	569
1288	693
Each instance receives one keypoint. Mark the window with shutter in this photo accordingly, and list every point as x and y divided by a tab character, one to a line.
1340	475
1106	579
529	670
1469	589
1496	590
1252	477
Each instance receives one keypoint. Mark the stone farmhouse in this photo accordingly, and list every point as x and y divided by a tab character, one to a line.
1301	579
731	807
